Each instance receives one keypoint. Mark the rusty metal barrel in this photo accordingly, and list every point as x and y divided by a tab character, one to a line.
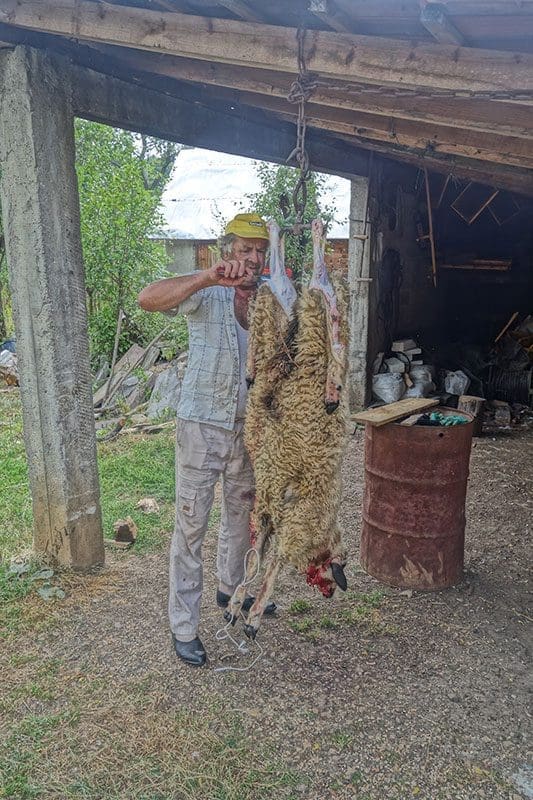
414	503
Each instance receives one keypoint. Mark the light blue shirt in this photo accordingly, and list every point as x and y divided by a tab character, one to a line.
210	389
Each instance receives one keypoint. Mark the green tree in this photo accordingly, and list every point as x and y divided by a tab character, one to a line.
277	186
157	158
121	177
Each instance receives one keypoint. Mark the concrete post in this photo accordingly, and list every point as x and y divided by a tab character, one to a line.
42	229
359	252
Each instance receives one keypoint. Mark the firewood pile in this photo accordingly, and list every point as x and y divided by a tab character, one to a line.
141	393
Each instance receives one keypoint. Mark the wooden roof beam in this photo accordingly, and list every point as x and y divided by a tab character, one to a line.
484	145
455	112
242	10
509	178
359	59
501	176
470	144
436	21
126	104
327	11
106	99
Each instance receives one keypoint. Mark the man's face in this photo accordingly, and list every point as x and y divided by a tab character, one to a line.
253	252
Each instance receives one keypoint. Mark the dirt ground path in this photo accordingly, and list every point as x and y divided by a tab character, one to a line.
375	696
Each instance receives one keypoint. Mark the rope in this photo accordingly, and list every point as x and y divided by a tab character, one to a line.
224	633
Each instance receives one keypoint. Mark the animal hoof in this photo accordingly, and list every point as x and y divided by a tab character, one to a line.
331	407
339	576
229	617
250	631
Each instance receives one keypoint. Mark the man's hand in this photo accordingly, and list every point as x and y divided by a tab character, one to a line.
232	273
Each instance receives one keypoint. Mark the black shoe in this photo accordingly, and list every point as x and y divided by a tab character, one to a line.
192	653
223	600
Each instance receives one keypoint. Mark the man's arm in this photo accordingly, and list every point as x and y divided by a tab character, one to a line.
169	293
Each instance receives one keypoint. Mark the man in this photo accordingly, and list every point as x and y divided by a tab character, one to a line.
210	442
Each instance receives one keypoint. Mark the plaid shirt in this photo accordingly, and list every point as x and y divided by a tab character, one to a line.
211	383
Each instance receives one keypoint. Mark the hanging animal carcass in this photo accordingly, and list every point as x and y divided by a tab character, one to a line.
272	321
296	428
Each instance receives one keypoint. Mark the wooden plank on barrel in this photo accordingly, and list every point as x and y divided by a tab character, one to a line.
475	406
394	411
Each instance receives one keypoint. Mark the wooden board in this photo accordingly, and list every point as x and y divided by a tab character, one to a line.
511	119
506	326
360	59
394	411
500	265
473	200
133	355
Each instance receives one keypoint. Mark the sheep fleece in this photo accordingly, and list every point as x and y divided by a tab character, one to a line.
296	447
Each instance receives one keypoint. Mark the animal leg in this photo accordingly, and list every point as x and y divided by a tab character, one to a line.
256	612
321	282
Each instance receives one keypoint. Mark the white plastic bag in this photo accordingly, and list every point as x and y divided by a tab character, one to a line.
456	382
8	359
422	372
422	388
388	386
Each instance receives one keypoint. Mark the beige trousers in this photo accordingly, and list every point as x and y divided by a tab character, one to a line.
205	453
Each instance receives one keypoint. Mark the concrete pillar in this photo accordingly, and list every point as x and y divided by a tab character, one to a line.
42	229
359	281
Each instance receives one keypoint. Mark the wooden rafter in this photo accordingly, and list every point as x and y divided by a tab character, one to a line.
327	11
242	10
501	176
363	126
359	59
247	130
437	22
455	112
113	101
419	136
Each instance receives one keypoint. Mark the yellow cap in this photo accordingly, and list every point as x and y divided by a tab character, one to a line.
249	226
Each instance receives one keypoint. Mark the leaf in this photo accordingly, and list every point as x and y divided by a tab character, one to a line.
119	214
42	575
49	592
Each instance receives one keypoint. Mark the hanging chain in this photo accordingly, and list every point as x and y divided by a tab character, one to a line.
300	92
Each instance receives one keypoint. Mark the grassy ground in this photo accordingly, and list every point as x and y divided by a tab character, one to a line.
80	735
15	501
72	733
376	694
131	467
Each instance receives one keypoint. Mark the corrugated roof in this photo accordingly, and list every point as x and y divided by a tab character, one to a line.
208	188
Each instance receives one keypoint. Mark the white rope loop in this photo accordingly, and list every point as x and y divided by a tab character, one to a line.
224	633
